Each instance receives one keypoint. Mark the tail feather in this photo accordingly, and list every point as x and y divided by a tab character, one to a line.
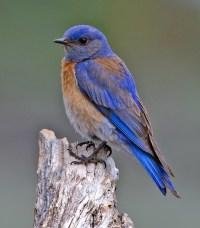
155	169
138	147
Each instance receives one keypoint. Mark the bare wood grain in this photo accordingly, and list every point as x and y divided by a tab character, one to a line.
70	196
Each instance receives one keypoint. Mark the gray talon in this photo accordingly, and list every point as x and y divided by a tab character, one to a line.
93	157
88	143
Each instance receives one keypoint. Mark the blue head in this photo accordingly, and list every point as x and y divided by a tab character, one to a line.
84	42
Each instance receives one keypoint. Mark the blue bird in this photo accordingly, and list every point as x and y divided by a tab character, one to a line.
102	102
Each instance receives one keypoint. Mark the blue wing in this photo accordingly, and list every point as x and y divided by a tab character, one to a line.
109	84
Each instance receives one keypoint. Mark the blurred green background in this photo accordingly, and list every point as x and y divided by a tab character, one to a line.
160	42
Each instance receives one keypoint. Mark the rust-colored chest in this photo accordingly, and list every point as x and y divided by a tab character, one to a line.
81	112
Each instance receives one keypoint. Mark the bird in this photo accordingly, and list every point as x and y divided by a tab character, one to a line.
102	103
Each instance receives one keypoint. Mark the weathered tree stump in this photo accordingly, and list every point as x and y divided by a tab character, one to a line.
70	196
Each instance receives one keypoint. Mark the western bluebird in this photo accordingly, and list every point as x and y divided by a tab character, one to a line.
102	102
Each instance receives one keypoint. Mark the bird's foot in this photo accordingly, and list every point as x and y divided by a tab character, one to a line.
87	143
101	146
93	157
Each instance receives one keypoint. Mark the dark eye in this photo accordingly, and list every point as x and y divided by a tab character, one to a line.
83	40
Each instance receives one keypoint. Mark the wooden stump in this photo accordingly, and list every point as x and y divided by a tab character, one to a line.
70	196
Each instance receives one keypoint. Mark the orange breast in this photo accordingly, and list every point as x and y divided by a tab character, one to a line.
82	113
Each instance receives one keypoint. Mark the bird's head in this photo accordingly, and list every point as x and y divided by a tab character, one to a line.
83	42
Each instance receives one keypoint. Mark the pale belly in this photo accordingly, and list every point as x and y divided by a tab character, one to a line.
88	122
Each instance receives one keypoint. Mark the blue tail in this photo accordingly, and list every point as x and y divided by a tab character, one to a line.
155	170
153	167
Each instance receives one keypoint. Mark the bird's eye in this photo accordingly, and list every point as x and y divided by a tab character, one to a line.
83	40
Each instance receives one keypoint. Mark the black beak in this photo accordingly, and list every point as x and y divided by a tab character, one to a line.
61	41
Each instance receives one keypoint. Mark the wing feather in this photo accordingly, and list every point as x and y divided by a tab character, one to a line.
109	84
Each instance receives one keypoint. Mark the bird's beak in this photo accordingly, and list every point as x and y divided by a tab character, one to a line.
61	41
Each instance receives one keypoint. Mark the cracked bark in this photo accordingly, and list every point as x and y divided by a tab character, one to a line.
70	196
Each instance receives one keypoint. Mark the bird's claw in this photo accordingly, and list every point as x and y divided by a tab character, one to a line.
93	157
82	143
87	143
90	144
